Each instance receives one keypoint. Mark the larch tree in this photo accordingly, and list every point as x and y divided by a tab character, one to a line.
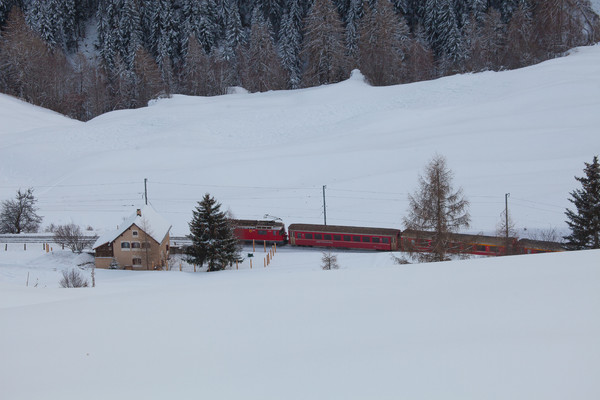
261	68
584	221
20	215
324	52
212	236
382	37
437	210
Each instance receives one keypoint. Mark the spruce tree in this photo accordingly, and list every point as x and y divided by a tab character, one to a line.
212	236
585	221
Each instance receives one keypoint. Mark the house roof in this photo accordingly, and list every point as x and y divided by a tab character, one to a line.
149	220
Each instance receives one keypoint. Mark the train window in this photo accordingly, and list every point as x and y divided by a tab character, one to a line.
298	235
385	240
337	237
346	238
481	247
275	233
494	249
366	239
318	236
376	240
327	237
309	235
356	238
262	232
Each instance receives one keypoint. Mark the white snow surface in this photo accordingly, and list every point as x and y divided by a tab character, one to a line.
522	327
526	132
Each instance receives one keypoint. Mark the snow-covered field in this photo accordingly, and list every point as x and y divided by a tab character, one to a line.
523	327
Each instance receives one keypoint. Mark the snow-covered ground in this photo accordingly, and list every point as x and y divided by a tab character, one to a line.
525	132
523	327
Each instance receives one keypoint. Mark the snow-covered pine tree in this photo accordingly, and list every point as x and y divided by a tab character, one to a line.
206	28
584	222
212	236
353	16
129	32
290	43
444	36
108	38
324	52
234	32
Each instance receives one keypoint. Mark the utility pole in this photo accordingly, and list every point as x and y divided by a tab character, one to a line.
146	190
324	205
506	196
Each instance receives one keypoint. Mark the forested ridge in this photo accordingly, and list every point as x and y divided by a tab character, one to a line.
149	48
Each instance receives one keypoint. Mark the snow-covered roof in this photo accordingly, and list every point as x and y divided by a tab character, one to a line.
147	219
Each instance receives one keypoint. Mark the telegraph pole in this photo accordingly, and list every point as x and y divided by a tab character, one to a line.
146	190
506	196
324	206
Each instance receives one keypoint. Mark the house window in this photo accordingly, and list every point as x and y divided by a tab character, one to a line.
136	261
135	245
125	245
134	233
145	245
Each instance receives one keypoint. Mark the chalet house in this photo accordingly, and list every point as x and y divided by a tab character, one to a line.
141	243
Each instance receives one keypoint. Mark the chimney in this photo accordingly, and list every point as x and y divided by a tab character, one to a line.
139	212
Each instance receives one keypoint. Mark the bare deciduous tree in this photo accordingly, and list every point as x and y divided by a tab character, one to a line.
329	261
507	230
71	236
19	215
438	209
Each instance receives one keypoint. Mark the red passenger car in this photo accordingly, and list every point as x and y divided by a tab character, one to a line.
344	237
268	231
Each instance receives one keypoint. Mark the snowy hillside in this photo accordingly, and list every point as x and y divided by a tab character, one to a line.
525	132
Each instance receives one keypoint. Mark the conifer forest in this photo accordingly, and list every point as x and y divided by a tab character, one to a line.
83	58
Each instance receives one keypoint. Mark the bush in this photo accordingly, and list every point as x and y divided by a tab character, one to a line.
73	279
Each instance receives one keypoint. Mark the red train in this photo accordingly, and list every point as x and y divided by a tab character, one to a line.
383	239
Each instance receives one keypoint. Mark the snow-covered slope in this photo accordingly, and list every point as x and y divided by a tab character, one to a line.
525	132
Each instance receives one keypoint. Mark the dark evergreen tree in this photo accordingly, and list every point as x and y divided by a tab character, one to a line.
443	33
129	32
212	236
353	16
584	222
108	37
290	43
234	32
